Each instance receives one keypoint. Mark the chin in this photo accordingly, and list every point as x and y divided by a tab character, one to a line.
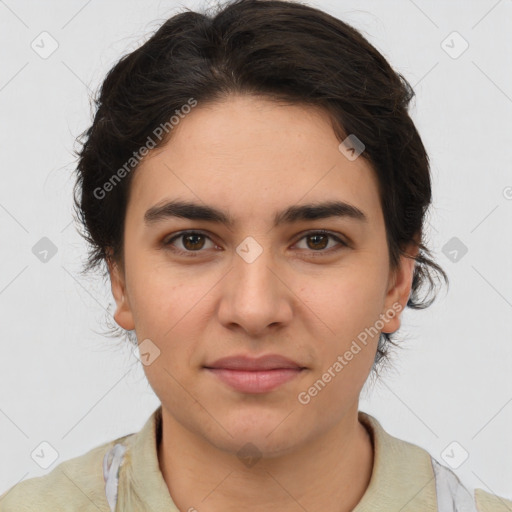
265	434
256	446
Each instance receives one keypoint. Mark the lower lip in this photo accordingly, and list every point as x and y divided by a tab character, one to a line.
255	381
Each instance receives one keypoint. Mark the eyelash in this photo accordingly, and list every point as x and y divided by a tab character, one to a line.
168	242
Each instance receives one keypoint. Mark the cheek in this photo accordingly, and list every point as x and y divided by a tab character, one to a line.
164	312
346	350
166	307
347	300
158	297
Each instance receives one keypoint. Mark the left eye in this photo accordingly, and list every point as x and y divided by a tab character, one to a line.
194	241
320	240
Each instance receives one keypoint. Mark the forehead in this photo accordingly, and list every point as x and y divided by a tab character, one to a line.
253	157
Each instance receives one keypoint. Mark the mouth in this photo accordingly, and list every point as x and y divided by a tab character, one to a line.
255	375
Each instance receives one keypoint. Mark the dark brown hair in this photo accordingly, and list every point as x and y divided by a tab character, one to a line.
284	51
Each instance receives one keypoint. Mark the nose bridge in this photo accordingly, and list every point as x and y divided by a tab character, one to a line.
257	298
253	261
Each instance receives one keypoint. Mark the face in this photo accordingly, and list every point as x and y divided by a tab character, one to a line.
305	288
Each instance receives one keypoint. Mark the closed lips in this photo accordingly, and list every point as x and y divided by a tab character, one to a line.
261	375
245	363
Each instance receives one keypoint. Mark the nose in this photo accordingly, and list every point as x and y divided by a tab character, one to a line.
256	296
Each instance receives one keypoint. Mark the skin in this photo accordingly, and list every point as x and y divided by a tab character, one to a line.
300	299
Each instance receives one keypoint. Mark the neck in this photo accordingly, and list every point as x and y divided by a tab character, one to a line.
331	472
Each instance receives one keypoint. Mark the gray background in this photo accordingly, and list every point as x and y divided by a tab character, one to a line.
62	382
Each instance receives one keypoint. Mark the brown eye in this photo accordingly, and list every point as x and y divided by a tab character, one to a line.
193	242
317	241
190	242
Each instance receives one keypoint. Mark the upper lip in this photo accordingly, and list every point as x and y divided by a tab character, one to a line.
243	362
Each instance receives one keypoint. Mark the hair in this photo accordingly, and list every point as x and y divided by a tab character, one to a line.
281	50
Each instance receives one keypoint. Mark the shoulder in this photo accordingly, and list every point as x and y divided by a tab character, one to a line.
402	467
450	490
487	502
75	484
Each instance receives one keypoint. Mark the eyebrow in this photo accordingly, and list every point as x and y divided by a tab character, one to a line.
194	211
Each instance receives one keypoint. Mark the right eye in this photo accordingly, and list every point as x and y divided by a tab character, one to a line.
190	241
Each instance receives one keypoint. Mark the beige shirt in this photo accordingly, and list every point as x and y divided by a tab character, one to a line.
403	480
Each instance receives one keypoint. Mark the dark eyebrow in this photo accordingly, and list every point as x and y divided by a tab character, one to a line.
195	211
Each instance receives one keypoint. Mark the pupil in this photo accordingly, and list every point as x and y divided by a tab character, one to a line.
319	236
188	237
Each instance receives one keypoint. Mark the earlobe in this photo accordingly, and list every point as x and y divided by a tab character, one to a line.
123	314
399	291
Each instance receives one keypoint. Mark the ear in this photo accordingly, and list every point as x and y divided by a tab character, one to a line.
399	290
123	314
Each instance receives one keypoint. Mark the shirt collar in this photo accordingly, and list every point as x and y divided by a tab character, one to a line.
402	476
143	476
